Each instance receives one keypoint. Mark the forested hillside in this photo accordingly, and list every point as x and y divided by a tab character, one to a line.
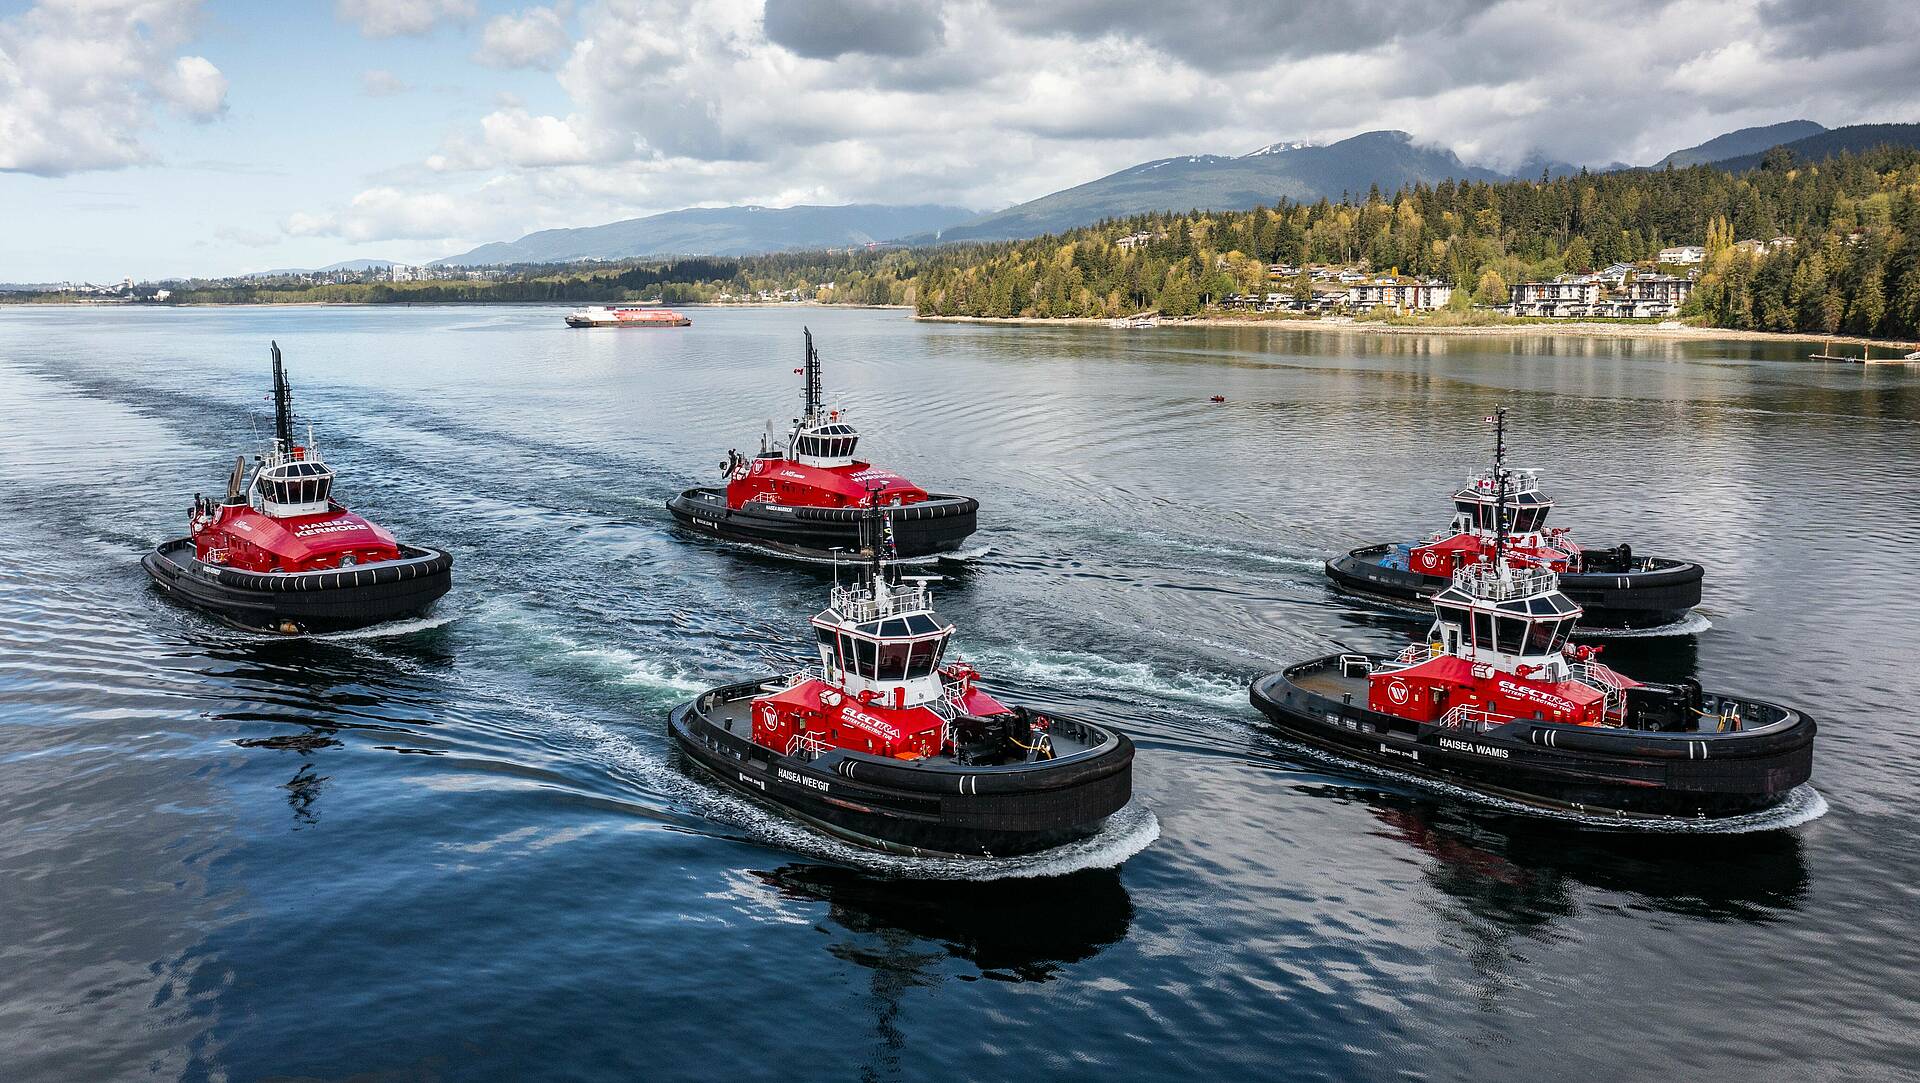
1855	266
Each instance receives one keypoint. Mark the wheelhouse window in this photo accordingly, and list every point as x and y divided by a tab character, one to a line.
865	652
926	658
1543	636
829	647
1513	634
1483	630
893	660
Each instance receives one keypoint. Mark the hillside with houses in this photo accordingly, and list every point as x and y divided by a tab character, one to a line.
1824	248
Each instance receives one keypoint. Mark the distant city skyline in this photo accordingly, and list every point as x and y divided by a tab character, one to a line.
151	138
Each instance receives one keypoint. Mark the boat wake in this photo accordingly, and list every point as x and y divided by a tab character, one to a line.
962	556
1077	669
1803	804
383	631
1689	625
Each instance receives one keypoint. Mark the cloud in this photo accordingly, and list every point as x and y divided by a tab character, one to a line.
521	139
379	83
385	213
80	81
828	29
672	103
534	38
1227	36
401	18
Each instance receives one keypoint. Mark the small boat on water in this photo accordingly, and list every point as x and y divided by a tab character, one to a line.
626	316
280	554
891	746
1614	587
1495	699
807	499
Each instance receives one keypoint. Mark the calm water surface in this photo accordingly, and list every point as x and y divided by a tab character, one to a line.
462	849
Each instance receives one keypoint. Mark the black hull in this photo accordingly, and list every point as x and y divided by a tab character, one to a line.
1628	774
925	810
306	602
1655	597
940	524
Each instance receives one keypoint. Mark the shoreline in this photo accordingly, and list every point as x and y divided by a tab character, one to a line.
1319	324
1577	328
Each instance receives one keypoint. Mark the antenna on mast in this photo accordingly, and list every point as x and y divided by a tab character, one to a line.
1500	486
812	390
282	406
1499	439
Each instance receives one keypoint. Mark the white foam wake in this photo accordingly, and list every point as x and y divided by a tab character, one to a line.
1689	625
1803	804
390	628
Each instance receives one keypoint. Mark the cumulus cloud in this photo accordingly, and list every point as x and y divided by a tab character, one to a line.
826	29
534	38
80	79
402	18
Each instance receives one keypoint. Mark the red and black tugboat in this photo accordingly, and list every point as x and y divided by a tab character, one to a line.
1496	700
280	554
890	746
1615	588
808	498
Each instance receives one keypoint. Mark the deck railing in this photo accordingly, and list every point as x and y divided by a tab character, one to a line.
1468	717
807	746
1486	581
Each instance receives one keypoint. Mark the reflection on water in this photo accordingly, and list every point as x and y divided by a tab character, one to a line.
1018	930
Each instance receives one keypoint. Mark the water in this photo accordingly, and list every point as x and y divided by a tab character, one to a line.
460	848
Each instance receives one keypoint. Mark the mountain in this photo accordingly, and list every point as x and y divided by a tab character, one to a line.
1219	182
1745	141
719	231
1852	139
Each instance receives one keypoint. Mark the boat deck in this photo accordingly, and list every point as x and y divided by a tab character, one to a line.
1070	738
1331	682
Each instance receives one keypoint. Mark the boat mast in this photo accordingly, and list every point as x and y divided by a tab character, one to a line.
812	390
282	407
1500	487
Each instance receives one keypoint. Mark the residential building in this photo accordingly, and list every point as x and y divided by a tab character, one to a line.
1682	254
1401	295
1565	296
1668	291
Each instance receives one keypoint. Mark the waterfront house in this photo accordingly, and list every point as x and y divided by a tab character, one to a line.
1613	274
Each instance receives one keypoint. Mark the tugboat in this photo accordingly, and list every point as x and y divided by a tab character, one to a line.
889	746
281	555
1496	700
1615	588
626	316
806	499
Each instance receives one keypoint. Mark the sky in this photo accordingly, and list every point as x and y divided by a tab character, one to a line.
154	138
